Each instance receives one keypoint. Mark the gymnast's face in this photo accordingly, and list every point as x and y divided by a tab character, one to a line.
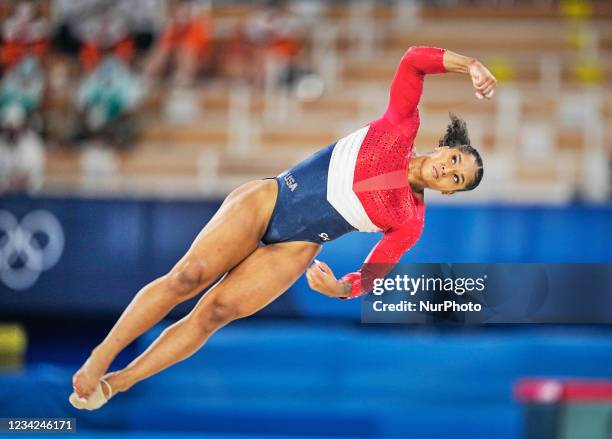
448	169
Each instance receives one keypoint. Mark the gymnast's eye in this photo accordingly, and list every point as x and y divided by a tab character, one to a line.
456	178
454	159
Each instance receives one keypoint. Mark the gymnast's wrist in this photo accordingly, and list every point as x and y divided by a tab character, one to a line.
455	63
469	62
344	289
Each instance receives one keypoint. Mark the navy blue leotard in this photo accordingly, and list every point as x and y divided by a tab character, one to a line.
302	212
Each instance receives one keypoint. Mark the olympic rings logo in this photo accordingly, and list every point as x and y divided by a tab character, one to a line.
28	248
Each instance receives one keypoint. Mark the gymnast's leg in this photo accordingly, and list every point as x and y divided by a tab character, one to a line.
252	285
228	238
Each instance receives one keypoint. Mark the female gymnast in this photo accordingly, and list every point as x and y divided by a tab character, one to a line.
267	232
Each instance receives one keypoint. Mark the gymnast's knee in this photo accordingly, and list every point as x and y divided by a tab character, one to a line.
187	278
215	314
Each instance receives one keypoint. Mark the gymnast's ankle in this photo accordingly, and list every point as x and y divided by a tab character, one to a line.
119	381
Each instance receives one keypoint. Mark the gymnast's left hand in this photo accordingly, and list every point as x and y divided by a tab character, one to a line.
482	79
321	279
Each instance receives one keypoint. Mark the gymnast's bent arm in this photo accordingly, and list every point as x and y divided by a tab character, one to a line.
407	84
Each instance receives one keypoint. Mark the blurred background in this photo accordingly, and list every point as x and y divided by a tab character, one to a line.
123	124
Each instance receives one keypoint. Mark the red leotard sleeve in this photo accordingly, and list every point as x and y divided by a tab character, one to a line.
407	84
385	254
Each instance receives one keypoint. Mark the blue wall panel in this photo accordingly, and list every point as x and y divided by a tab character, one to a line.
114	246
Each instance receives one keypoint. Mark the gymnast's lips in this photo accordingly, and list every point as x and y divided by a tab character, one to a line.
435	172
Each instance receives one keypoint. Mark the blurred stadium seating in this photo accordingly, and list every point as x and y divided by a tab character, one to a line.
550	119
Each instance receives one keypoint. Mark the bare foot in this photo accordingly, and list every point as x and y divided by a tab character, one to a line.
86	379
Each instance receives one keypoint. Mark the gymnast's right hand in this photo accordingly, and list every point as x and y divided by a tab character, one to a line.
321	279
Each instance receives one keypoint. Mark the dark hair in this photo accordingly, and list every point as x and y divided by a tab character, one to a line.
456	136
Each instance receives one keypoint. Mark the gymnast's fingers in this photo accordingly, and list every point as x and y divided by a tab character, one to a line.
324	267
